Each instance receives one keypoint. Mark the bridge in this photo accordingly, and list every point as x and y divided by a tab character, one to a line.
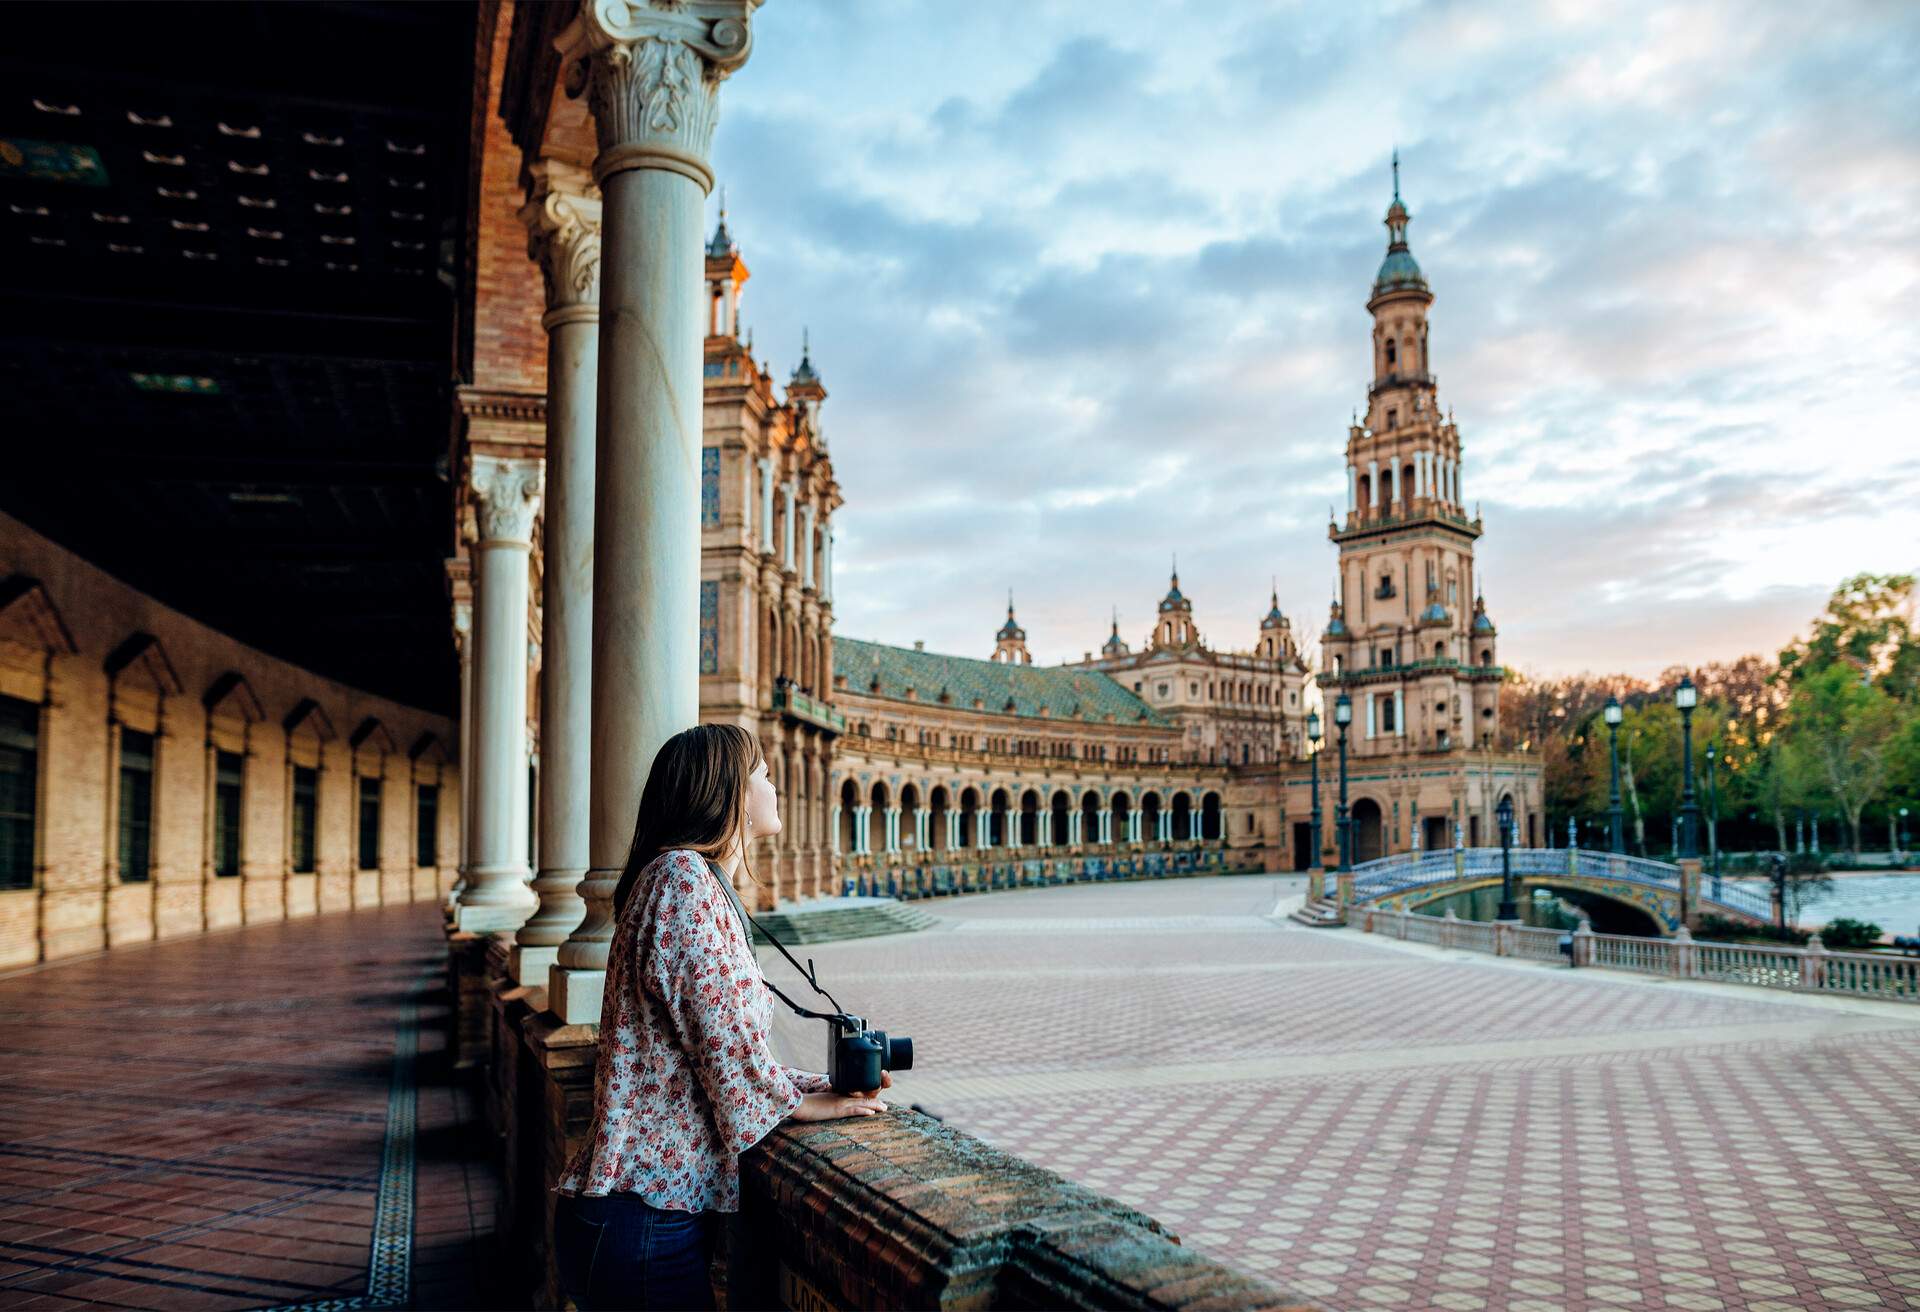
1660	891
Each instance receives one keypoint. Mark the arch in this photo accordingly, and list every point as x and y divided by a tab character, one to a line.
1439	651
1122	806
938	808
1386	485
849	802
1363	491
1210	826
1058	807
143	655
878	796
969	818
232	695
769	649
1506	795
909	816
1090	809
1393	354
1486	656
1369	830
1150	808
1182	815
28	614
1407	482
998	807
1029	818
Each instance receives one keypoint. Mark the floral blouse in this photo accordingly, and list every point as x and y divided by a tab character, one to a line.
686	1080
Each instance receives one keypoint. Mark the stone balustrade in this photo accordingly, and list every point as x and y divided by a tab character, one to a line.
1809	969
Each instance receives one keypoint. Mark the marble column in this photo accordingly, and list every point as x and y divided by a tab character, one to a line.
806	545
652	75
786	525
506	495
463	643
765	467
563	237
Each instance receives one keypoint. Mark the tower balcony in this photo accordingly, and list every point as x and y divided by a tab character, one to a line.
803	709
1397	379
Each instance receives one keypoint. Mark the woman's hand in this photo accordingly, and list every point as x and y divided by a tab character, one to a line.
831	1106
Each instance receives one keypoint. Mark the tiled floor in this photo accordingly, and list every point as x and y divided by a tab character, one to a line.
1375	1125
203	1124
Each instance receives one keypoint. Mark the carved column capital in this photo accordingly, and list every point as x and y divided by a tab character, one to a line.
506	497
652	72
563	238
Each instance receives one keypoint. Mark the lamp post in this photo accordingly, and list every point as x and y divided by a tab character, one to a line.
1900	834
1686	697
1342	717
1313	827
1504	815
1713	820
1613	717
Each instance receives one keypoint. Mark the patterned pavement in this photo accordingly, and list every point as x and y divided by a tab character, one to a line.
227	1121
1378	1125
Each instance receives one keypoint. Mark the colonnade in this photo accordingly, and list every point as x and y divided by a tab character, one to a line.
890	837
621	606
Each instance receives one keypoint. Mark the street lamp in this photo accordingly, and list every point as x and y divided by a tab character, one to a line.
1503	813
1900	834
1713	820
1686	697
1313	739
1342	717
1613	717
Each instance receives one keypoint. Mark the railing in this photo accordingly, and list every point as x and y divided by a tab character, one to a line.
1405	871
1811	969
791	701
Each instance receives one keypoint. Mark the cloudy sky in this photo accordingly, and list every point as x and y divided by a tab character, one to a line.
1086	283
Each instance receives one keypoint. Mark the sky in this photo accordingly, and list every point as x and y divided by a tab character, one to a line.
1086	283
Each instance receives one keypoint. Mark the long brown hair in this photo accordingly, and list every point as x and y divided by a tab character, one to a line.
695	798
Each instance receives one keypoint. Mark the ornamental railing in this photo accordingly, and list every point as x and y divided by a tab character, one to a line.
1809	969
1406	871
811	710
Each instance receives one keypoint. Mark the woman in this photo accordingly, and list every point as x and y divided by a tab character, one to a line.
686	1081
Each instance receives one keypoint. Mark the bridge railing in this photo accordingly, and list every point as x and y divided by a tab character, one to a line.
1811	969
1404	871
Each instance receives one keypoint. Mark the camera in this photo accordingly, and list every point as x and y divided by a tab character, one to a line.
856	1055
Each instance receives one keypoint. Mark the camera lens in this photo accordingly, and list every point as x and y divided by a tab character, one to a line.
899	1055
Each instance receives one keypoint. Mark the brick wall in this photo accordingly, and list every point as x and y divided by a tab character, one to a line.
504	296
66	632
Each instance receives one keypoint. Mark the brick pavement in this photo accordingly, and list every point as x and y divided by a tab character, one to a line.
203	1124
1374	1127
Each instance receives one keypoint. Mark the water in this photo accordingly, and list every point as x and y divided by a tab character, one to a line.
1889	901
1538	907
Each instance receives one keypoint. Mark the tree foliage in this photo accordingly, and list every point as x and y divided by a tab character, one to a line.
1831	727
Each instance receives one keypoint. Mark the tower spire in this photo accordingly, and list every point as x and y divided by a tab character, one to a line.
1396	181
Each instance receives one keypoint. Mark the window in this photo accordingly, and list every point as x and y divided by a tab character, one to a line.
1393	355
306	814
427	825
19	779
1160	690
1386	715
369	822
1393	416
227	784
1243	760
136	805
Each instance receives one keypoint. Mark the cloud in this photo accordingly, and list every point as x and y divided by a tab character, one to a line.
1087	287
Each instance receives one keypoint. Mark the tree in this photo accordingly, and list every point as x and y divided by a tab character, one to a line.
1868	626
1848	728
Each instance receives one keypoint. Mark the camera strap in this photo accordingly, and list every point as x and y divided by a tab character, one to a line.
740	910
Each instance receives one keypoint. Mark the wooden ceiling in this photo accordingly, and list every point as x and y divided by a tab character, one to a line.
232	237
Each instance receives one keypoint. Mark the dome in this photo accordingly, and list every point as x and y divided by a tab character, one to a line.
1482	622
1399	269
1435	613
1174	600
1273	619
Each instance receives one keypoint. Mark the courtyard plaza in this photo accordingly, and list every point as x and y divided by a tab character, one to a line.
1368	1123
1363	1122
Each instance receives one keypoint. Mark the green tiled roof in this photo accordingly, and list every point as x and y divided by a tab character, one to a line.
1068	694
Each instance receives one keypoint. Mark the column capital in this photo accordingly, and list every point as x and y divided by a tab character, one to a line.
652	75
563	238
506	497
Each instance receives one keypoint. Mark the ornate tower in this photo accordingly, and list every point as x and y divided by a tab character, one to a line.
1175	630
1401	641
1010	643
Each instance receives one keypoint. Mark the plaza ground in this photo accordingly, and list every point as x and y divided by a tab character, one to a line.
227	1121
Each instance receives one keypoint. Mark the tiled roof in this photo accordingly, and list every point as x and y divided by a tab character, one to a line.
1068	694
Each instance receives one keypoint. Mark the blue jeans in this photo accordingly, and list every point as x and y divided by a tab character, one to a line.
615	1251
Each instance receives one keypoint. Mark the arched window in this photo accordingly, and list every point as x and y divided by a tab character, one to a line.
1393	354
1486	656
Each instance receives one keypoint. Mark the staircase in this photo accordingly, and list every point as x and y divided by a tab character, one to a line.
831	924
1317	913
